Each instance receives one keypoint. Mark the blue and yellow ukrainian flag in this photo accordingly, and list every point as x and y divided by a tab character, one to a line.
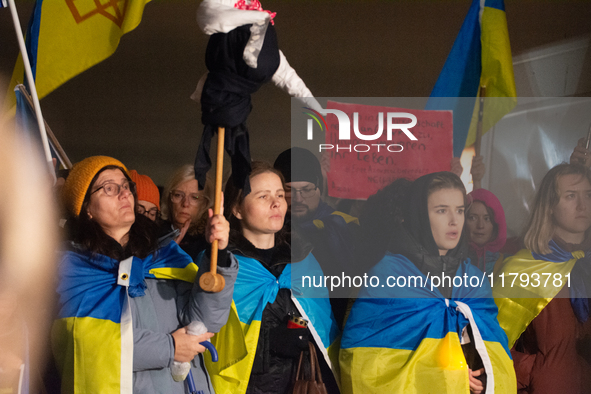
480	56
256	287
518	304
92	338
66	37
407	339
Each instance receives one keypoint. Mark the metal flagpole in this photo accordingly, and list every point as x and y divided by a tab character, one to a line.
29	74
477	143
61	154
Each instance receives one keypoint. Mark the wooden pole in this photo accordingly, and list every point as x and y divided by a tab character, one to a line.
477	183
212	281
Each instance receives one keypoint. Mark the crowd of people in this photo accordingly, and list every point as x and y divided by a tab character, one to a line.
132	315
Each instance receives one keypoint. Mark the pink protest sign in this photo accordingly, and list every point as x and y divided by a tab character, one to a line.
365	160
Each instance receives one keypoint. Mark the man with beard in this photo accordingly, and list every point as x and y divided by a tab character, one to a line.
331	233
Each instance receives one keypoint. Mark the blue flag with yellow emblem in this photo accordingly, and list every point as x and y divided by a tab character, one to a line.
64	38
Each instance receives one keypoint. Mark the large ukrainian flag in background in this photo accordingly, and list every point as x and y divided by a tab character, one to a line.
480	56
66	37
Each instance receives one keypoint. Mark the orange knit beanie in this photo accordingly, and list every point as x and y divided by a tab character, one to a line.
79	179
146	188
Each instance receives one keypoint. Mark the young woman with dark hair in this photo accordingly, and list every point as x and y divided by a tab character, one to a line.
87	230
125	302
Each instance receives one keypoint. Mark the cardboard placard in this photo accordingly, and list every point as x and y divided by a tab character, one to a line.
359	168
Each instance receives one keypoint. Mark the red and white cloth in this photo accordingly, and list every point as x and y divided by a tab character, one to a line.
254	5
223	16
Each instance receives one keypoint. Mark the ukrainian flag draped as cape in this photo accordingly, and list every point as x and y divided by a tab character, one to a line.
407	339
480	56
93	337
256	287
518	304
66	37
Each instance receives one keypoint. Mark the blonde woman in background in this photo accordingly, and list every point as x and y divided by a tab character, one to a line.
547	319
185	210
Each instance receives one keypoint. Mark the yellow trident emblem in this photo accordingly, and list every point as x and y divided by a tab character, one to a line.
113	10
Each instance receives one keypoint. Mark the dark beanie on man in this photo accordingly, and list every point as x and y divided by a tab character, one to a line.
299	165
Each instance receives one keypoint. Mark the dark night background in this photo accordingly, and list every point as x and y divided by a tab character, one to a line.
135	105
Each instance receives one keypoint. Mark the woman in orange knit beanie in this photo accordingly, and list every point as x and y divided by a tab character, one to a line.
148	196
126	297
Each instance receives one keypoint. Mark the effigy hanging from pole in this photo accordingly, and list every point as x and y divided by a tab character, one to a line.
241	56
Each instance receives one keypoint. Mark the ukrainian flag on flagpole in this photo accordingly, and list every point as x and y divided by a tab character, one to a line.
64	38
480	56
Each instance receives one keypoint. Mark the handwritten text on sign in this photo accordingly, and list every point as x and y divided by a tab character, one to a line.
359	167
